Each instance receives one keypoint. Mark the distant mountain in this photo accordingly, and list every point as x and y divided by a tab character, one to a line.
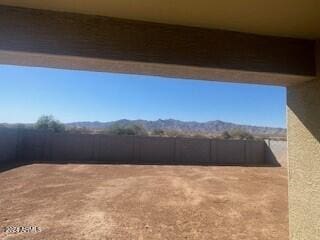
210	127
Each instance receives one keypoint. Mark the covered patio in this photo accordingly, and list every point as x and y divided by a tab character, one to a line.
262	42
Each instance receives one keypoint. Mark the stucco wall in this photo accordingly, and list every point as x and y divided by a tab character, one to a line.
304	160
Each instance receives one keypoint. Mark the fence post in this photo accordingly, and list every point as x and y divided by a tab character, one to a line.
245	152
210	151
175	150
266	149
134	150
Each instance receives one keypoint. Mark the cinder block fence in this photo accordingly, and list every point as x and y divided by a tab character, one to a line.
29	146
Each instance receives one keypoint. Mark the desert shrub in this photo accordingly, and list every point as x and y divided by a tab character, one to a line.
80	130
134	130
241	134
49	123
21	126
174	133
199	135
158	132
225	135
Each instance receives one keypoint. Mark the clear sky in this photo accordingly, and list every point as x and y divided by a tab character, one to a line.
26	93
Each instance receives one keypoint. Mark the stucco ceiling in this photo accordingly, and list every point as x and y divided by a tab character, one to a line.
293	18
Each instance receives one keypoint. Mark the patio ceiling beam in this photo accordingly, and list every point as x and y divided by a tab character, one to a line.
77	41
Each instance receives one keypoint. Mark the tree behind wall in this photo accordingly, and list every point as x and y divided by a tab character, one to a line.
241	134
225	135
49	123
134	130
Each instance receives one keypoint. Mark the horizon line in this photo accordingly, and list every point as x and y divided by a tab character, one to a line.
185	121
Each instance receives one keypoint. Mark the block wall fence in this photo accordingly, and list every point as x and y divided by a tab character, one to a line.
29	146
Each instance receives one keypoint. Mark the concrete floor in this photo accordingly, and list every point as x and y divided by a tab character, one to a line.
144	202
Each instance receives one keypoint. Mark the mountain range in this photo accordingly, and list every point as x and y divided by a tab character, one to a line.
210	127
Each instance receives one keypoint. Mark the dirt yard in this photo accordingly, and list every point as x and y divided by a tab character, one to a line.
144	202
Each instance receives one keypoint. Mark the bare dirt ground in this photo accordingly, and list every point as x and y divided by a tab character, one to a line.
144	202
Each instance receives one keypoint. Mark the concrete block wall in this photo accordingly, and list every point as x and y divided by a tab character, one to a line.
255	152
117	149
193	151
155	150
230	152
37	146
9	139
276	152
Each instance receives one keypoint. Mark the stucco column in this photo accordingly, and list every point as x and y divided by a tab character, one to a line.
304	160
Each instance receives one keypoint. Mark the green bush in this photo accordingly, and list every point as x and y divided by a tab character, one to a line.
225	135
133	130
158	132
49	123
241	134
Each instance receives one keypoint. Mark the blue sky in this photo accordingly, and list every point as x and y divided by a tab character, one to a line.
26	93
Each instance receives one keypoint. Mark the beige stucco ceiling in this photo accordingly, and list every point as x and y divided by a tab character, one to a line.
294	18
